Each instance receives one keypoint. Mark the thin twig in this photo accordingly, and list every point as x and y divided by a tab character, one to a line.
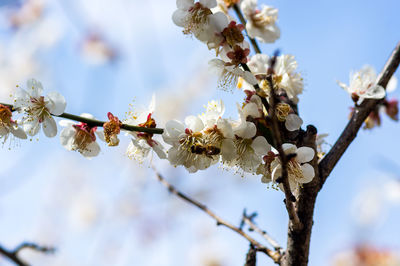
249	221
97	123
359	115
13	255
274	255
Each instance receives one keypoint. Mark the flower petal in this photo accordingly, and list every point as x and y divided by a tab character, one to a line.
293	122
57	103
260	145
308	173
305	154
49	127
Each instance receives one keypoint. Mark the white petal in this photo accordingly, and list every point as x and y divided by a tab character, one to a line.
374	92
225	127
18	132
67	136
293	122
308	173
289	148
173	129
4	131
304	154
49	127
260	145
208	3
21	98
87	115
246	130
35	88
66	123
251	109
57	103
31	127
250	78
392	84
159	150
100	134
92	150
228	150
184	4
179	17
194	123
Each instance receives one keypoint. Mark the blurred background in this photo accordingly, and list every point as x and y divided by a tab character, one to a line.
105	55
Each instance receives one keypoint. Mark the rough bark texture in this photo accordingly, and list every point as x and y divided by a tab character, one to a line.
298	242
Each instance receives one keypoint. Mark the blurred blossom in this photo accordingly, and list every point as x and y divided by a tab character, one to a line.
392	191
96	50
84	211
367	206
366	255
28	13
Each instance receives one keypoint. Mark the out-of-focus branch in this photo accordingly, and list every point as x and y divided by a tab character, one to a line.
243	21
359	115
97	123
274	255
248	219
13	255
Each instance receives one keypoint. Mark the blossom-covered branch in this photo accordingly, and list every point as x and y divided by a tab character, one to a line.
274	255
284	178
13	255
360	113
97	123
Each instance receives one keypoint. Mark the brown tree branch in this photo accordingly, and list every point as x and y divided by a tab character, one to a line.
13	255
97	123
359	115
274	255
289	197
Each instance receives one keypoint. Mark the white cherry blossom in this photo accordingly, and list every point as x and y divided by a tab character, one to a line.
142	142
363	85
80	137
228	75
293	122
39	109
299	170
261	24
8	125
249	148
285	76
193	16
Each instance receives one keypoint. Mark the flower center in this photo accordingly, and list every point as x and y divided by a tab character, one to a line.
282	111
83	137
5	115
112	129
233	33
242	145
38	109
294	169
227	80
198	16
261	21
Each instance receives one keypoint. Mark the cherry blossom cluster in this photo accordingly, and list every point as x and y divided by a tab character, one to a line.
248	144
363	86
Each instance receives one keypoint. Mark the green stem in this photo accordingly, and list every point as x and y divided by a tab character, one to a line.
98	123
